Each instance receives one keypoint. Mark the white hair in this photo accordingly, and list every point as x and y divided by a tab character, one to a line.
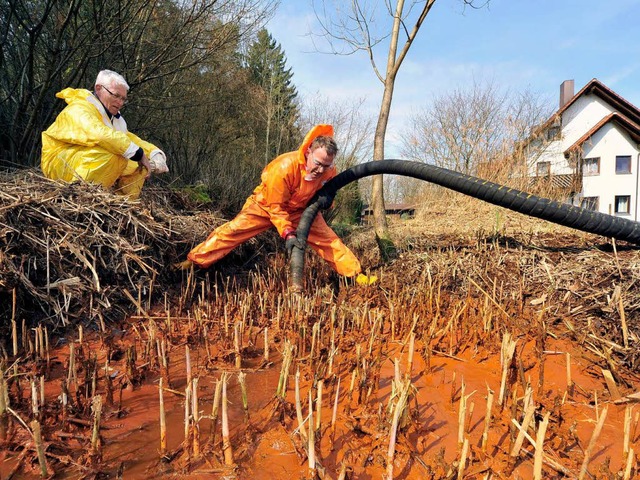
109	77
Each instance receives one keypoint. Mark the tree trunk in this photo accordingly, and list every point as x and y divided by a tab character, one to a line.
385	244
345	31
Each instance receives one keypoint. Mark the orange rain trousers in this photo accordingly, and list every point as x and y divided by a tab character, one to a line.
253	220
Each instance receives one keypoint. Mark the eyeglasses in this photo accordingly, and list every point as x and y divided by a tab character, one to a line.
319	164
115	95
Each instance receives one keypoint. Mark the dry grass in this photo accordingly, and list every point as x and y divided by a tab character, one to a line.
446	216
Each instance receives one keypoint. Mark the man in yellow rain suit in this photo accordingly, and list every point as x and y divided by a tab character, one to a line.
89	140
288	183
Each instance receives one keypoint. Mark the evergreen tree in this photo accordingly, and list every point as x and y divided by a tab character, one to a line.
267	64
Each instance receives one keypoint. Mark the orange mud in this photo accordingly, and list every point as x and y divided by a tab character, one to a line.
457	353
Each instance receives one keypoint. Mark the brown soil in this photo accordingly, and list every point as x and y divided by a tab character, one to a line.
560	296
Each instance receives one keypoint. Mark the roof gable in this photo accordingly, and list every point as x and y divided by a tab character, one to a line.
595	87
633	129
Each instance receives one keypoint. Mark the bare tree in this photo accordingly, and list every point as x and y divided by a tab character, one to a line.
352	30
352	127
460	129
475	131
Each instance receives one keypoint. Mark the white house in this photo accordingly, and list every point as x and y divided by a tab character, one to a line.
591	148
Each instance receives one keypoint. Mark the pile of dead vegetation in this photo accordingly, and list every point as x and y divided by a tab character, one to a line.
76	253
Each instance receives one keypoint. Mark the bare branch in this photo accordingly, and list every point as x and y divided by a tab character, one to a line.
412	35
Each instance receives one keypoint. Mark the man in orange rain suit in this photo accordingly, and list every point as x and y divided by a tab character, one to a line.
89	140
288	183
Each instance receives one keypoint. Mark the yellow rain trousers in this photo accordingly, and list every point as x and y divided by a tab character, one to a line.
84	143
279	201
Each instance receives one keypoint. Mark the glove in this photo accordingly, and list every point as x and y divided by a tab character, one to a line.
292	241
362	279
158	162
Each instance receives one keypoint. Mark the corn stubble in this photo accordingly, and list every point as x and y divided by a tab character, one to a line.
349	366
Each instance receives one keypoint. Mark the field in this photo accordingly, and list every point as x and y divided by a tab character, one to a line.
494	346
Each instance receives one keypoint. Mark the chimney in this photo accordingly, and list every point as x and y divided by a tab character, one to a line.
566	92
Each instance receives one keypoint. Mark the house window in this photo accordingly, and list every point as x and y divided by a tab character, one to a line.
553	133
543	169
591	166
623	164
590	203
623	203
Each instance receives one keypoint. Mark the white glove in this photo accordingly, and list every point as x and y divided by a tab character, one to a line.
158	161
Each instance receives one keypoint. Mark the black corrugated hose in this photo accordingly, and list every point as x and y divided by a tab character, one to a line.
517	200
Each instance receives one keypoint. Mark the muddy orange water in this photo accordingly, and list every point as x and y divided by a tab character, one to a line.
452	352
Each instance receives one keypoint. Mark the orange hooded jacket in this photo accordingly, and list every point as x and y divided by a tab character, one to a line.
284	190
279	201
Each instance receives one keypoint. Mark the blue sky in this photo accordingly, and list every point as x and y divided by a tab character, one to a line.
517	44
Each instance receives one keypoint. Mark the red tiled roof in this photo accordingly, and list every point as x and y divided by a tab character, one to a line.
598	88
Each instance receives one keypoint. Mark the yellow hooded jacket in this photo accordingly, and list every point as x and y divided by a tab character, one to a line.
84	143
